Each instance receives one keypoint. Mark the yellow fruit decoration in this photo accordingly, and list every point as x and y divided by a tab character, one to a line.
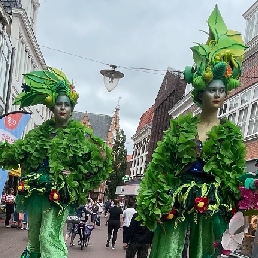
49	100
200	204
55	196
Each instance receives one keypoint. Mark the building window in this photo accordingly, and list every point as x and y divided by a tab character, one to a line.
255	95
245	97
250	29
223	109
242	119
253	122
232	117
233	103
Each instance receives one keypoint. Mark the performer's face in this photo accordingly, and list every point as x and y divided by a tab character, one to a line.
214	95
62	110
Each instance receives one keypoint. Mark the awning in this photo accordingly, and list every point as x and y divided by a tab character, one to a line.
15	172
127	189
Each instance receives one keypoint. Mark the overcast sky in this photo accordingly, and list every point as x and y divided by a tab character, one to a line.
131	33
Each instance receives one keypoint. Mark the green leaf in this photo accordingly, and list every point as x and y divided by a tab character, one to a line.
216	24
228	43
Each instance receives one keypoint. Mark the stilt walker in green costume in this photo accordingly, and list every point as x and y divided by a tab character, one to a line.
61	162
192	181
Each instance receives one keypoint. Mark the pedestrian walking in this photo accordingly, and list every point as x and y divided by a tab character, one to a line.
138	238
107	206
9	206
94	215
127	216
114	222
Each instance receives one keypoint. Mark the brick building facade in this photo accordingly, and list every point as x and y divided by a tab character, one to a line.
105	127
141	141
171	91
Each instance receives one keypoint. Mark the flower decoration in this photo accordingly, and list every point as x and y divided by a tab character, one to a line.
229	71
201	204
171	214
21	186
54	196
233	211
225	252
216	244
256	183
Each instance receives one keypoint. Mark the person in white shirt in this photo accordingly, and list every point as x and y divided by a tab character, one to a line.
127	216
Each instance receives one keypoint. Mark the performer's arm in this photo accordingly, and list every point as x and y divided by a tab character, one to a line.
11	155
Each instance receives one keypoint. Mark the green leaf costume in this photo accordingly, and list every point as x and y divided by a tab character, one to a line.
191	185
45	192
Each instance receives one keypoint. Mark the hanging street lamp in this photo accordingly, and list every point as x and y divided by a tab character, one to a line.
111	77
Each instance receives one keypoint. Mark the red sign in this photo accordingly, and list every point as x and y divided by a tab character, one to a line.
12	121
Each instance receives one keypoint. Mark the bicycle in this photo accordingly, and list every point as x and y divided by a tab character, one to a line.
84	232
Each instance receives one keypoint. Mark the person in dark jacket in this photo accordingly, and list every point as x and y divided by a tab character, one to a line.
138	238
114	222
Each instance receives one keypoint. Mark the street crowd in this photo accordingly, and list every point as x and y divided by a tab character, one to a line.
118	216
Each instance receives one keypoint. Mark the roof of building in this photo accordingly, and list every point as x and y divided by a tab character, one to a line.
251	150
146	118
129	157
99	123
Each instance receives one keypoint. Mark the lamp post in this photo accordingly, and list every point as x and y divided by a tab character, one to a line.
111	77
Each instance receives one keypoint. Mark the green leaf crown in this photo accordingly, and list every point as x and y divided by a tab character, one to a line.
219	59
43	87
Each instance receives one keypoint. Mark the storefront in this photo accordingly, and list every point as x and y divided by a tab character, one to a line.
13	179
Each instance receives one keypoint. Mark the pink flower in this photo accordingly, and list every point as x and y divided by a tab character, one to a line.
216	244
225	252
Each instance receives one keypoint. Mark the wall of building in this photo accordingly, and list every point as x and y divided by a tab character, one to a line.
171	91
28	57
5	65
140	151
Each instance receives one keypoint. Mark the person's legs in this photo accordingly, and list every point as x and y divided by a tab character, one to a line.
168	240
142	251
116	227
201	237
110	229
131	250
8	213
34	212
125	230
52	242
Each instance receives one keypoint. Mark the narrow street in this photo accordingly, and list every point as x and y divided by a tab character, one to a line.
13	242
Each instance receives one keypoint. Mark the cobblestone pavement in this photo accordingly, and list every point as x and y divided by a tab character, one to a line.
13	242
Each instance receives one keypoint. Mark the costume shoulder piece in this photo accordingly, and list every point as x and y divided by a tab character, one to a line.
81	155
224	157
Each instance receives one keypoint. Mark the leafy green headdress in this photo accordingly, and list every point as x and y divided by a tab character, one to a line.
219	59
43	87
